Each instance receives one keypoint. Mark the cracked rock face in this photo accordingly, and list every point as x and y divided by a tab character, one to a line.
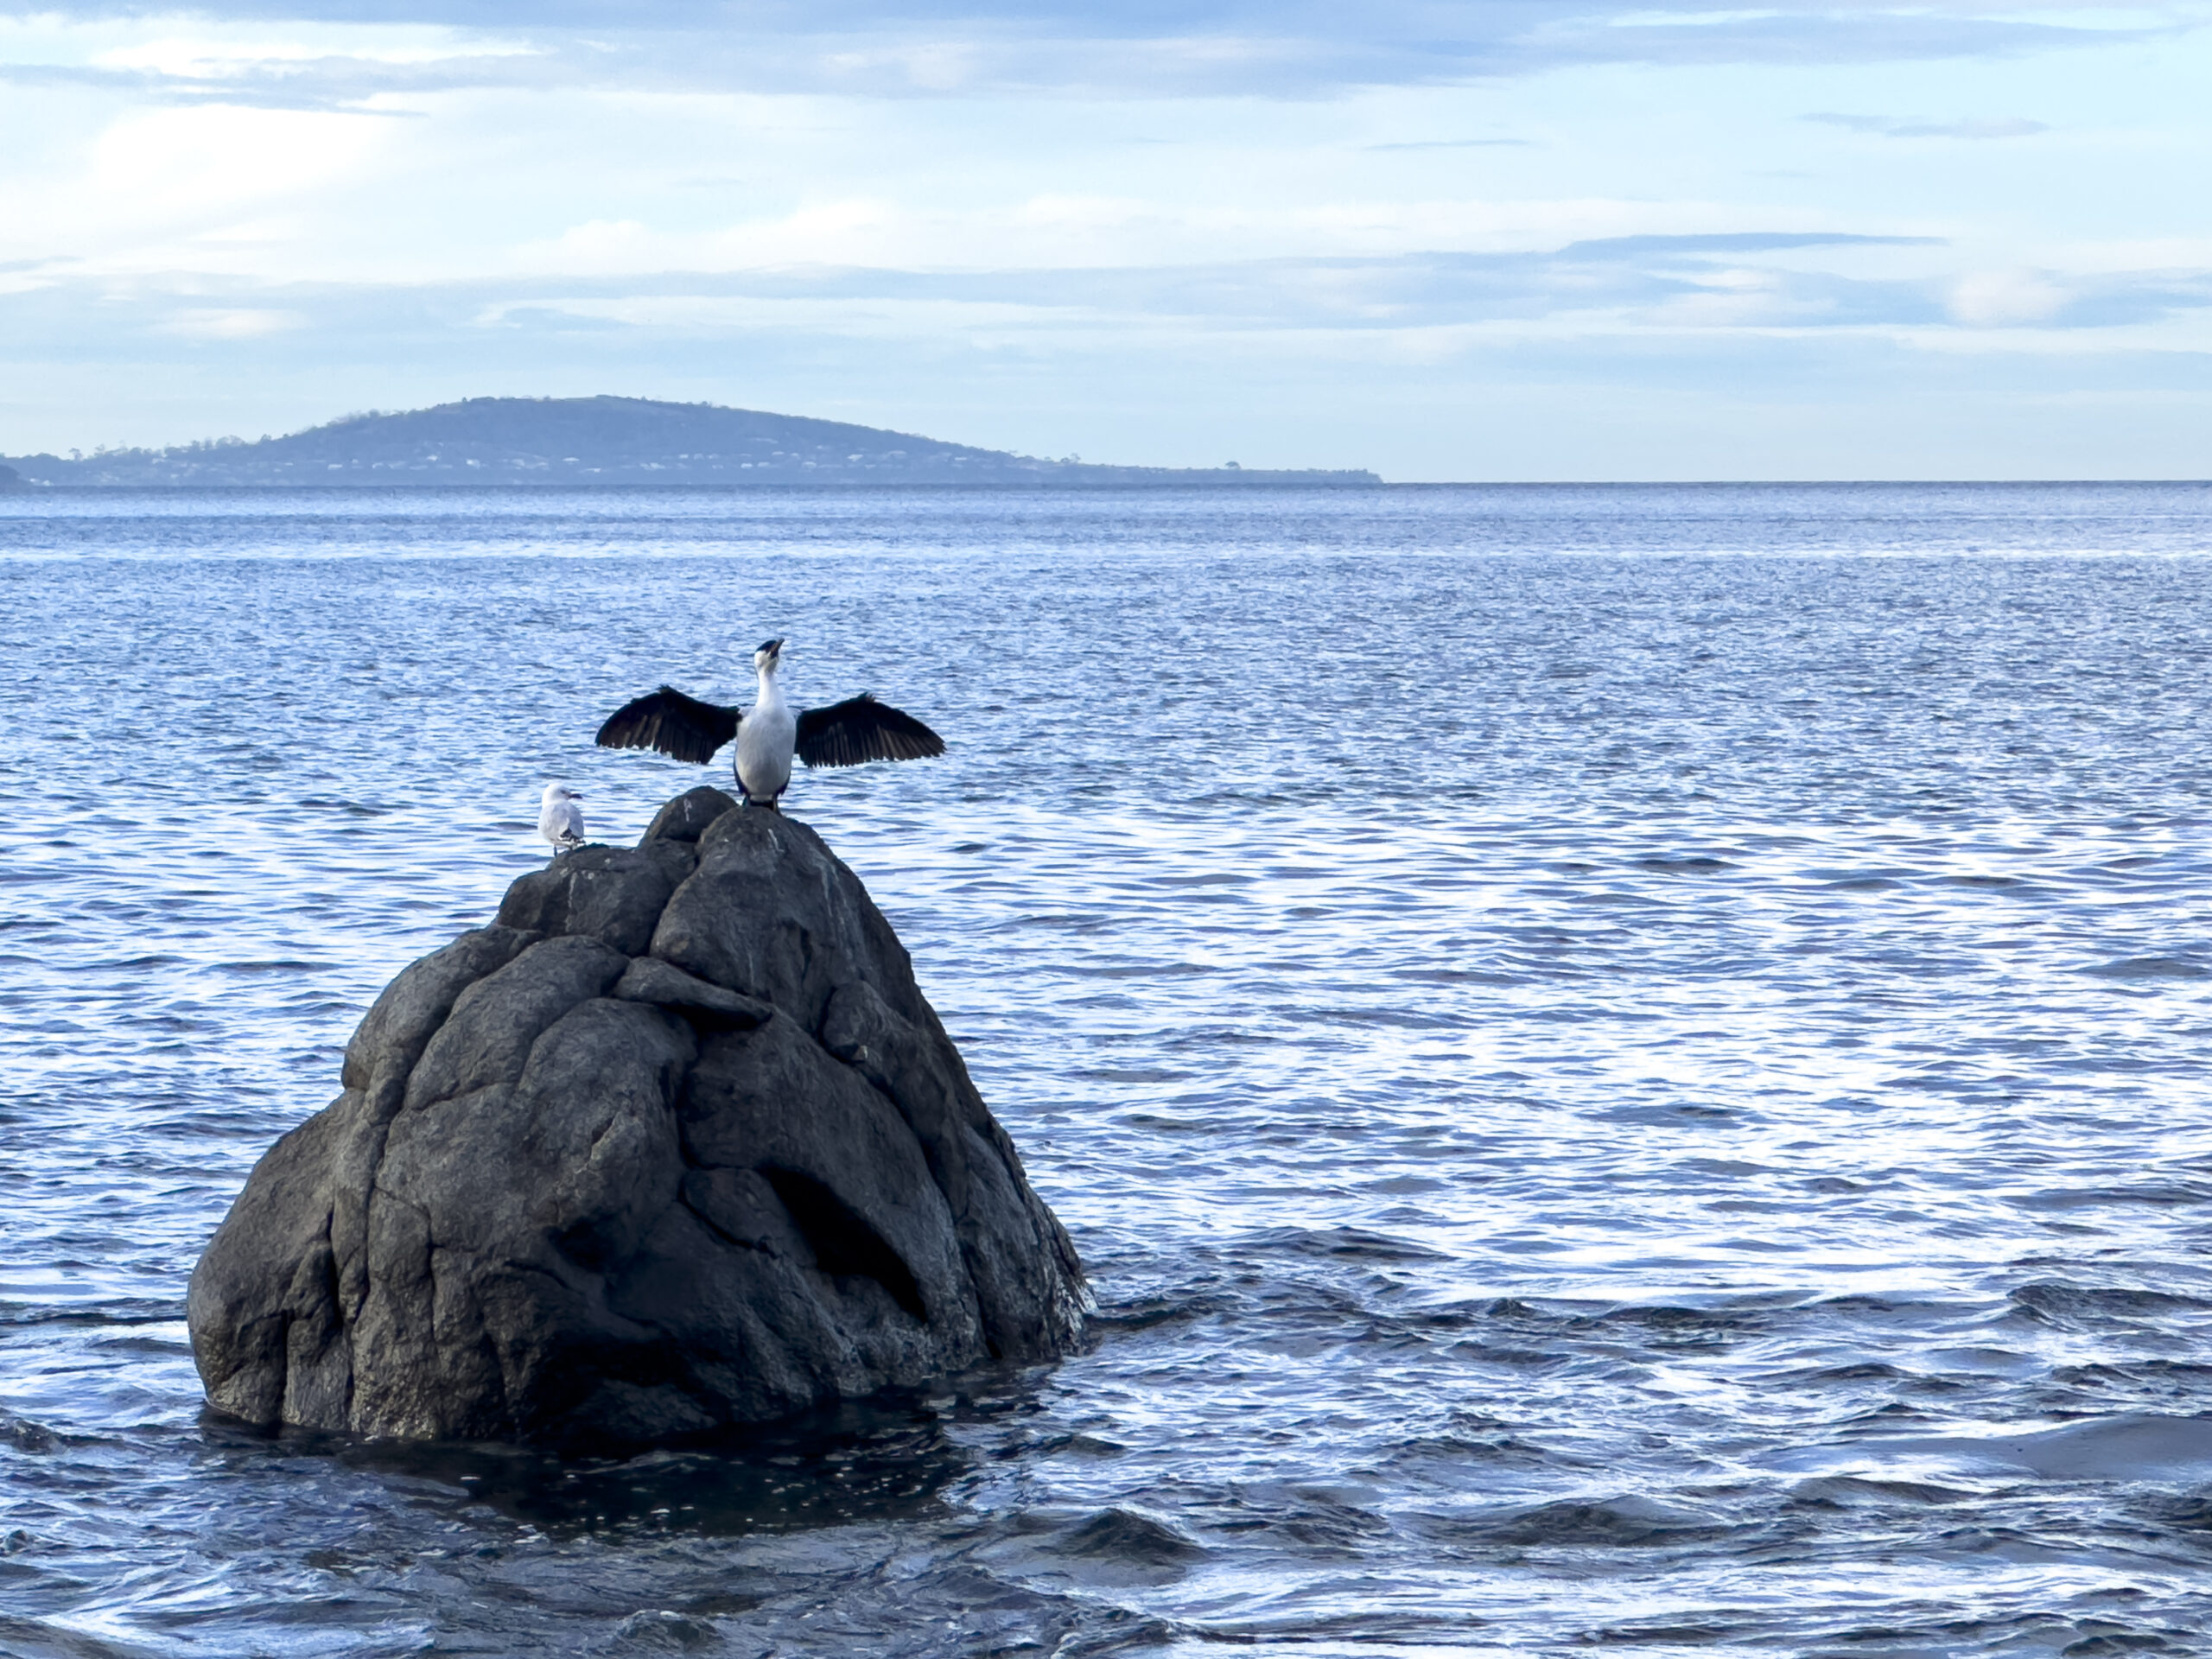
674	1145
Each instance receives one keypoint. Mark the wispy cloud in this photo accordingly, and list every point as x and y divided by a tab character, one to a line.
1714	244
1885	127
866	48
1624	285
216	323
1457	144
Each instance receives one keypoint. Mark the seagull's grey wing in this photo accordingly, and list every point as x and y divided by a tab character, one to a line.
861	730
667	721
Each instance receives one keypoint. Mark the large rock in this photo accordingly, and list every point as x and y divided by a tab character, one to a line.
675	1144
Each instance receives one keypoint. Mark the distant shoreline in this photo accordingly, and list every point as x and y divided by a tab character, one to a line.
1230	484
1336	482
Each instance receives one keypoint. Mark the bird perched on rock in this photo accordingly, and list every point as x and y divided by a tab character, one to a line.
560	820
848	733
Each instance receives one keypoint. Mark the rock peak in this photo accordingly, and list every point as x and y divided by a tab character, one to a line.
675	1143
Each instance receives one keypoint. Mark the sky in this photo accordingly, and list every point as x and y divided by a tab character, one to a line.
1499	239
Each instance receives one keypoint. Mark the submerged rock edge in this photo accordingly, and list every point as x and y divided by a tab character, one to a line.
674	1144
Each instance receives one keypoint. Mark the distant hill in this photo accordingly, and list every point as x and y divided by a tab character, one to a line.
608	441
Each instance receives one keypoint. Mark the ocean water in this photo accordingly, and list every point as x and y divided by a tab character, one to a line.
1630	1066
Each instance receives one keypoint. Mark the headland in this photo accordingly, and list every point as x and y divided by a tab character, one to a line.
595	441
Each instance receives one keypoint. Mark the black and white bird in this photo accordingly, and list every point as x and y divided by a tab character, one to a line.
560	820
848	733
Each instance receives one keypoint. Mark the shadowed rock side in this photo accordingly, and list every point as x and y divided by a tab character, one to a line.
675	1144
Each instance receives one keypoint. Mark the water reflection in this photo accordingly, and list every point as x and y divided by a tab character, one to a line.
880	1460
1607	1051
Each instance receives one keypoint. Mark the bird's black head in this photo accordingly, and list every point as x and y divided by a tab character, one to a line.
767	655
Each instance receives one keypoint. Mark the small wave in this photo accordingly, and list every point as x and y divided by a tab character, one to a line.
1666	1635
1454	977
31	1638
2133	1446
1347	1242
2150	968
1664	1321
1460	1449
1124	1534
26	1436
1625	1522
1684	1112
1853	1490
2056	1299
661	1631
1862	1305
2085	1198
1143	969
1150	1311
142	1312
1861	1371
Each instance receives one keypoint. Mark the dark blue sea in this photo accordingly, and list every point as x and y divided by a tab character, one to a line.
1632	1066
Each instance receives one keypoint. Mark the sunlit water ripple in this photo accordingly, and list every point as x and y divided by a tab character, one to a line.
1630	1065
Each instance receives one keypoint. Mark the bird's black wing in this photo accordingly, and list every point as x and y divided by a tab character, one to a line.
861	730
667	721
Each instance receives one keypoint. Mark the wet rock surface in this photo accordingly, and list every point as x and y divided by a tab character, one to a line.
676	1144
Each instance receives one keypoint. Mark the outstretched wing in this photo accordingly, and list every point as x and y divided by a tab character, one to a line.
861	730
667	721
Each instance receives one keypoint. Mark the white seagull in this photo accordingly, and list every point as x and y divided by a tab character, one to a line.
848	733
560	820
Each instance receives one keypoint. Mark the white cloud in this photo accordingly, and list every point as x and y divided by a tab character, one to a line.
850	231
170	164
1990	299
216	323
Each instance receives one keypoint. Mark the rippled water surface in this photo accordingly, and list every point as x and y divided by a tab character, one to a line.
1630	1065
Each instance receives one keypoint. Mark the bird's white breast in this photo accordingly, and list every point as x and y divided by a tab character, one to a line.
766	739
